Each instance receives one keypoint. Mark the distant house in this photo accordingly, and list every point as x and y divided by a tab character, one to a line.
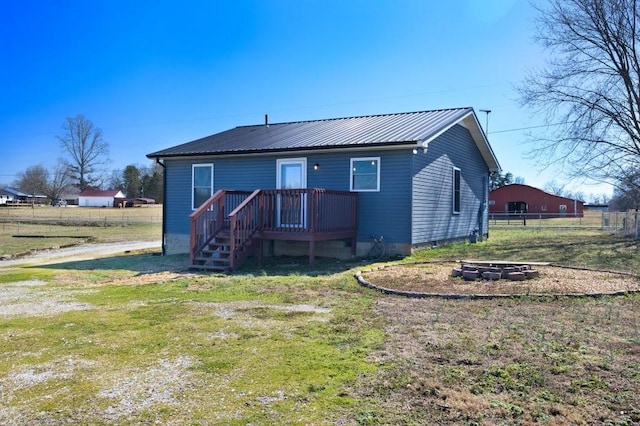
327	186
99	198
518	199
15	196
6	197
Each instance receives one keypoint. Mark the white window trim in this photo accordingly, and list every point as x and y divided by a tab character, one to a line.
281	161
193	167
377	159
453	191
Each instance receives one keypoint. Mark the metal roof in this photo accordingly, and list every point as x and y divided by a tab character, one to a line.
349	132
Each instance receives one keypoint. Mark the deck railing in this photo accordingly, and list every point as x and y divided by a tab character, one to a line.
244	222
310	210
211	217
301	214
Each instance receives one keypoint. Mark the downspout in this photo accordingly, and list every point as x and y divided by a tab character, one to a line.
482	208
164	204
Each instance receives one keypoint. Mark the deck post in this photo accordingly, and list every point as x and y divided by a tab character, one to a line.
312	253
260	248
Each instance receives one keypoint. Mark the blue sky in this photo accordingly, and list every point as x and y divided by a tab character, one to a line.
153	74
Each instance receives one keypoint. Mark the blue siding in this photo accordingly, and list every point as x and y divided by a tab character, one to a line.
387	212
432	211
178	196
413	206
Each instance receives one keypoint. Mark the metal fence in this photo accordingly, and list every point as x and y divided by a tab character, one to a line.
80	216
625	224
622	223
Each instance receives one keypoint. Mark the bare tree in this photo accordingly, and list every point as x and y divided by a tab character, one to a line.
33	181
37	180
115	180
589	90
87	150
59	181
555	188
627	193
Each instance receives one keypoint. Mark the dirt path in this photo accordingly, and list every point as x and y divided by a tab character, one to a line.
81	252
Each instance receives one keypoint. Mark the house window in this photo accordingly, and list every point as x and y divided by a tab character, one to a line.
365	174
202	184
457	183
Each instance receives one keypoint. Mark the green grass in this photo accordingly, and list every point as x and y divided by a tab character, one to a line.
579	248
274	349
291	344
23	238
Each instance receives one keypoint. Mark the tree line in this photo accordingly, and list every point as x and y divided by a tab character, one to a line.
82	166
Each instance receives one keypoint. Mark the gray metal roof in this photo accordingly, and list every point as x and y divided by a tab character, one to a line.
349	132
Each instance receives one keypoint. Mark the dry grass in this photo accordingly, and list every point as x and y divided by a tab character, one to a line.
514	361
23	228
435	277
150	213
508	362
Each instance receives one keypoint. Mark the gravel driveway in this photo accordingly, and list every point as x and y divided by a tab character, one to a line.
80	252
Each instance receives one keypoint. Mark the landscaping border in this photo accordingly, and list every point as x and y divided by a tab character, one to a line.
422	295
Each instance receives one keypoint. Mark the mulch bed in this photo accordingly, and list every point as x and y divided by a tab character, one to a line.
434	278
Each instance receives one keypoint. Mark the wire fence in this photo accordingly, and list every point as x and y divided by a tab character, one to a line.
625	224
80	216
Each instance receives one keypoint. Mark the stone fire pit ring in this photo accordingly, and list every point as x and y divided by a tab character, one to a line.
489	272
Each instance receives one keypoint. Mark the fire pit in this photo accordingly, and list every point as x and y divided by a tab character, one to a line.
472	270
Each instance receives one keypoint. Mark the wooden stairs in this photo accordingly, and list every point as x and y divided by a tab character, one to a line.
216	255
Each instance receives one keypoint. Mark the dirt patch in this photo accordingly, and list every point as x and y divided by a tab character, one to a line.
122	393
436	278
27	298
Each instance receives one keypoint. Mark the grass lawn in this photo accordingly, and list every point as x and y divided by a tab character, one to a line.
23	229
137	339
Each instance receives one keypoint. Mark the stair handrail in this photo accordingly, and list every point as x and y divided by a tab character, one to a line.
244	222
205	221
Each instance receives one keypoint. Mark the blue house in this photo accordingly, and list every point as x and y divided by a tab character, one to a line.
325	187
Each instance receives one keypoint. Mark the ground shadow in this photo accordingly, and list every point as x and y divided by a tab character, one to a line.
138	262
179	263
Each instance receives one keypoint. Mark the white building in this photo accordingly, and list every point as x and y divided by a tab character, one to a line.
99	198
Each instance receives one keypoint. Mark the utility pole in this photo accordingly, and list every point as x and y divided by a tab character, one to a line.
486	127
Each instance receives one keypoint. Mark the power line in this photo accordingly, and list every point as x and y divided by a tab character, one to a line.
524	128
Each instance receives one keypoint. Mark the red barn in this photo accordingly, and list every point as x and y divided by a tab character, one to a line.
517	199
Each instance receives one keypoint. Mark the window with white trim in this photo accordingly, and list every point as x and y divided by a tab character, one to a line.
365	174
201	184
457	186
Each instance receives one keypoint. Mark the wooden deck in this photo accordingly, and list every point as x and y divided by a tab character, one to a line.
227	228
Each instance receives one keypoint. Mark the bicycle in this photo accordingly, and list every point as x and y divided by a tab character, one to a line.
378	249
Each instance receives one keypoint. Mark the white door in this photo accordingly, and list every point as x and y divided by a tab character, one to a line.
292	174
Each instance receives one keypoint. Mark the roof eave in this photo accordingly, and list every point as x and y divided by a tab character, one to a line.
342	148
470	121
